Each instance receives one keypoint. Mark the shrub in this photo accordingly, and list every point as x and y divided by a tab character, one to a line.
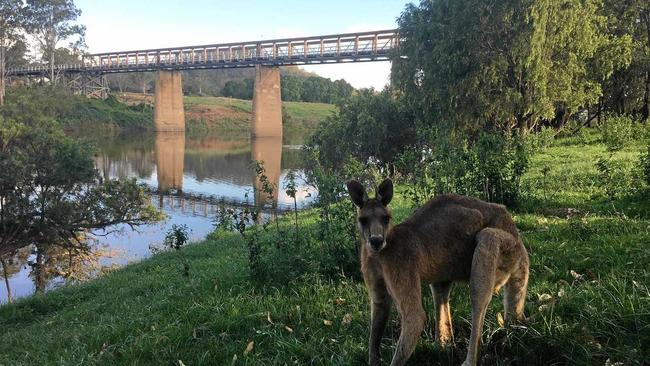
490	167
615	178
370	127
644	165
175	239
542	139
617	132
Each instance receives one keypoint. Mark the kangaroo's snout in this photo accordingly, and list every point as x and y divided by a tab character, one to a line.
376	242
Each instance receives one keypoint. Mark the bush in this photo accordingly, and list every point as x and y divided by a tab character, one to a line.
541	140
617	132
369	127
615	178
490	167
644	165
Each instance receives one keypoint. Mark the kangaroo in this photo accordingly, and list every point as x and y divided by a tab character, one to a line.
451	238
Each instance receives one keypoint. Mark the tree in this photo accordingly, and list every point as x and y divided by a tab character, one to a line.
380	123
50	193
316	89
15	55
504	64
53	21
11	23
291	88
628	91
238	89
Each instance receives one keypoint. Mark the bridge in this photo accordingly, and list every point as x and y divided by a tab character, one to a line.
87	77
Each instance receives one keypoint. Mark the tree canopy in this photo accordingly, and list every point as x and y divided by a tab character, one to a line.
505	64
51	22
50	192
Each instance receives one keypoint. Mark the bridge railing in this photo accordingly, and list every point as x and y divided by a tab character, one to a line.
365	46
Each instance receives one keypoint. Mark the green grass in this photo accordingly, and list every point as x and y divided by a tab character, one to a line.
299	118
147	313
111	113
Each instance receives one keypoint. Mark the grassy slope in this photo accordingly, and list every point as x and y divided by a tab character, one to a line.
147	313
234	115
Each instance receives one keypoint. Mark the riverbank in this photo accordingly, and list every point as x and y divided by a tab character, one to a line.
226	117
588	297
233	116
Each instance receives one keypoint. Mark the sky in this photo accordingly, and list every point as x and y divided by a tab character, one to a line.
121	25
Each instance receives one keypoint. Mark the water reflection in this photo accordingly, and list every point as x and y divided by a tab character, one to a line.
268	152
190	179
170	159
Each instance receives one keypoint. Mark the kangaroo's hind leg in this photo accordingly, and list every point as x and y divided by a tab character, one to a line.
444	330
485	276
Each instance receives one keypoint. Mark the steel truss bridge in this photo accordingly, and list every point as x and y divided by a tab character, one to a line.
336	48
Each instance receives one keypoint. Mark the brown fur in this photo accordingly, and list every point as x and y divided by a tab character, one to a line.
451	238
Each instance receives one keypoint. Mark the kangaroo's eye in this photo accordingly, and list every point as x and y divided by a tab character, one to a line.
363	220
386	219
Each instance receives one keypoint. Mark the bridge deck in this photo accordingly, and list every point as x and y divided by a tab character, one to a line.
349	47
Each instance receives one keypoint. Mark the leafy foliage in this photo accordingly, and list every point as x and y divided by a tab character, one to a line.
490	167
51	22
628	90
617	132
644	164
295	88
50	192
508	64
368	127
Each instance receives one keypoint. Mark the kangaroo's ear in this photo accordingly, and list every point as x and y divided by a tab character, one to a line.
357	193
385	191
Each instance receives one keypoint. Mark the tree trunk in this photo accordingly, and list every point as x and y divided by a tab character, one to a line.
5	274
2	75
39	278
645	110
52	80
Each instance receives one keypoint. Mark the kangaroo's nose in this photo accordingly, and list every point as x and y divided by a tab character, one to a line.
376	242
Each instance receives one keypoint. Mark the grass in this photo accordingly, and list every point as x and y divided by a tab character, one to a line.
231	117
588	296
234	116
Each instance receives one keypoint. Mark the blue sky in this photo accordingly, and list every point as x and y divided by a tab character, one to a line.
125	25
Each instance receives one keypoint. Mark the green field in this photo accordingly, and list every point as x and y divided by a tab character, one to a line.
588	298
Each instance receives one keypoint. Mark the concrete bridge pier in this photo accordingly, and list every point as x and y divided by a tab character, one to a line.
267	103
169	114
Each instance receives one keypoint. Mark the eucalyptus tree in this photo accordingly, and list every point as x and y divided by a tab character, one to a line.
475	64
51	22
11	25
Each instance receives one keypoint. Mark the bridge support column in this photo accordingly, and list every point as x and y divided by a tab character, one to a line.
168	102
267	103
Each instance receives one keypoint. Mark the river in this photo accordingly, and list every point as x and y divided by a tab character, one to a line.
189	179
